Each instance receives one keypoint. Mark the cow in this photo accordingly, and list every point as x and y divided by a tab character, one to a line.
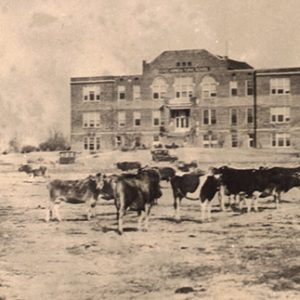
185	167
132	191
86	191
182	185
249	184
166	173
41	171
128	165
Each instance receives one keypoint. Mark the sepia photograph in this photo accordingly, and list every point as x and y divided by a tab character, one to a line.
149	149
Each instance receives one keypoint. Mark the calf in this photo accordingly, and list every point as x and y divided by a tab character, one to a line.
128	165
41	171
73	191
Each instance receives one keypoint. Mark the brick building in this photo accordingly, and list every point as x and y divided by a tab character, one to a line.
190	97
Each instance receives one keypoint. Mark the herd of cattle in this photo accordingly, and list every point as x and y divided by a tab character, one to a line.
141	189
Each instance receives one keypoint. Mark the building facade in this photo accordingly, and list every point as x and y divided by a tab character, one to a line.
190	97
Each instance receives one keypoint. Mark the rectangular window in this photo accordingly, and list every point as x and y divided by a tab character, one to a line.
136	118
249	87
121	92
118	141
91	93
156	118
233	88
250	115
136	93
209	117
210	141
280	114
250	140
121	118
91	120
234	140
279	86
233	113
155	138
184	87
281	140
91	143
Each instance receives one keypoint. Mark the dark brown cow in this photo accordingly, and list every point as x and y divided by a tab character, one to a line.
132	191
73	191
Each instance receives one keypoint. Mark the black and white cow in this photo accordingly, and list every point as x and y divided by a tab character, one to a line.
203	186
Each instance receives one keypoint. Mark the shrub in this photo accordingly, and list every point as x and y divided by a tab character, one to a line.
28	149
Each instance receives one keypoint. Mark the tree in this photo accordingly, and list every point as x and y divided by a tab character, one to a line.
55	142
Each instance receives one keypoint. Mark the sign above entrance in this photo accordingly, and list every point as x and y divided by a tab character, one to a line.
184	70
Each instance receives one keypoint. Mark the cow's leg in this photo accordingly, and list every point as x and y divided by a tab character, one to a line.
49	212
277	199
91	208
177	208
56	211
208	210
248	202
203	208
147	215
221	196
141	215
255	200
241	201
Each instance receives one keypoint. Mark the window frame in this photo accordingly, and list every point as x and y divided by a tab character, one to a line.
89	118
121	113
280	86
91	91
211	116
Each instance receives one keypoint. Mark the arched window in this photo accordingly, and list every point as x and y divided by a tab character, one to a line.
208	87
159	88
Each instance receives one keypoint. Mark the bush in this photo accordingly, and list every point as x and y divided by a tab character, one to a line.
56	142
28	149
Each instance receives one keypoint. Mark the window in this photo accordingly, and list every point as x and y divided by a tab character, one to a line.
136	118
281	140
250	140
181	118
210	141
91	143
91	93
233	114
156	118
159	88
91	120
118	141
234	140
209	117
184	87
121	118
155	138
121	92
208	87
280	114
249	87
250	116
136	92
233	88
280	86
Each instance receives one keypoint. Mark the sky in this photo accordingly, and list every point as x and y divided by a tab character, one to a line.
43	43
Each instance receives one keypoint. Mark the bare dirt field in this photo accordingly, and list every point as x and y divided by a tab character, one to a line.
235	256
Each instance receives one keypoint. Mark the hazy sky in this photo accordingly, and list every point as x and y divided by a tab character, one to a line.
44	43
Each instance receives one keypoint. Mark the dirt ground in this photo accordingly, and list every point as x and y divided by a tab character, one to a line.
235	256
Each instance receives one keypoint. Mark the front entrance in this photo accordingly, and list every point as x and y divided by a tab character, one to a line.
181	119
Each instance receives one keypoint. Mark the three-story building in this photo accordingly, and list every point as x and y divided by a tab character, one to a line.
188	97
